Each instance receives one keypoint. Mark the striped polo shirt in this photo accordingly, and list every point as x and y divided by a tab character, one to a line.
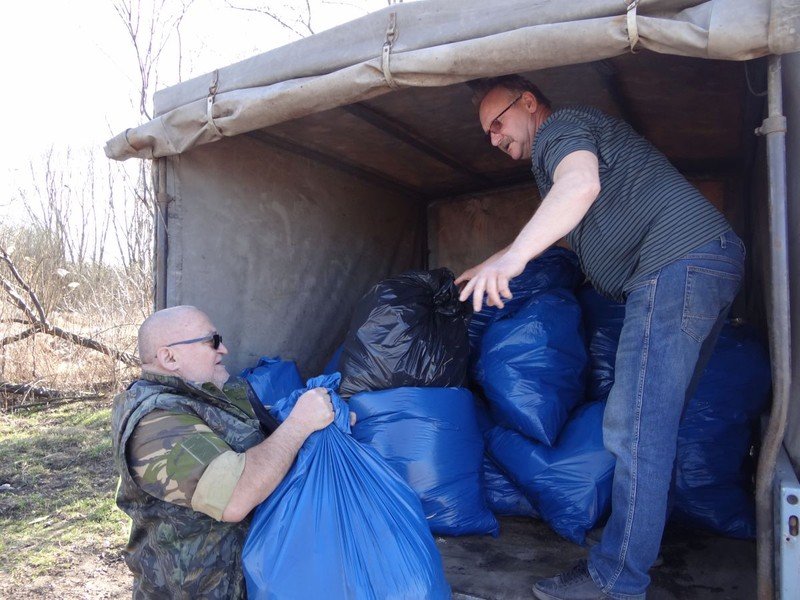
647	213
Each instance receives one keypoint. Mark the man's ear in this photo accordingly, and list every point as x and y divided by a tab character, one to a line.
530	102
166	359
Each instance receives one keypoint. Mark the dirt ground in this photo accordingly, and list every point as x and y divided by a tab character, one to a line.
61	535
89	574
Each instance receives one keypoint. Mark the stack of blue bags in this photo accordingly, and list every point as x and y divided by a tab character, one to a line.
429	454
544	365
544	444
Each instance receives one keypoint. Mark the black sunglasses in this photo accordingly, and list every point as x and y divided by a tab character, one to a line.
214	338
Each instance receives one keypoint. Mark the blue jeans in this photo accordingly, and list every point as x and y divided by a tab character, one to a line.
672	320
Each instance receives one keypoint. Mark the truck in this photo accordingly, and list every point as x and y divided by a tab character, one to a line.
289	183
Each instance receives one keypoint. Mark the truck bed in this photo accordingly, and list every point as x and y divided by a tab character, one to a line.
696	565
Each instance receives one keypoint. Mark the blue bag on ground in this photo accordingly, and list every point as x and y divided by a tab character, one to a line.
532	365
712	478
407	331
341	525
430	436
273	379
602	319
555	268
502	495
568	484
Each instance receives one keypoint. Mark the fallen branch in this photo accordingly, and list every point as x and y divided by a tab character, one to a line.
19	336
28	390
35	406
86	342
39	322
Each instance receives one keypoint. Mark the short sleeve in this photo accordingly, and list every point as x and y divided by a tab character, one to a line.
559	137
168	453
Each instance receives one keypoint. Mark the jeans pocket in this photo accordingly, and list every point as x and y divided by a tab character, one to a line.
708	292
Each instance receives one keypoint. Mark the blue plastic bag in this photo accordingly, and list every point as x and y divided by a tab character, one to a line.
503	497
569	484
430	436
342	524
712	488
532	365
273	379
555	268
602	320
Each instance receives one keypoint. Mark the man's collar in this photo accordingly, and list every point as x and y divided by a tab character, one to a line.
181	384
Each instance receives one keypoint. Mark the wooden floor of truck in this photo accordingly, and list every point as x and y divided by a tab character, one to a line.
695	565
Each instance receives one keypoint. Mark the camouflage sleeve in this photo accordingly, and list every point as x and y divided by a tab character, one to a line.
168	454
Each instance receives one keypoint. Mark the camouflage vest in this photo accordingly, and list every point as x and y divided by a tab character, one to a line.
174	551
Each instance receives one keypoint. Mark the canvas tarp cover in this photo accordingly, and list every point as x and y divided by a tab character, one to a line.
441	42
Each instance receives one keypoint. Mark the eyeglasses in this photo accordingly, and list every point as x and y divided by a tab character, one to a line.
497	124
214	338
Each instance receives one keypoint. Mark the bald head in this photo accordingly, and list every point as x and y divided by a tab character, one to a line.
177	341
167	326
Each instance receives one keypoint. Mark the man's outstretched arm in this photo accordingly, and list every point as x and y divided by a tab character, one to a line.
576	185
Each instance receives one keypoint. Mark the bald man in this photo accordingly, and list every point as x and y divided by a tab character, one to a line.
194	460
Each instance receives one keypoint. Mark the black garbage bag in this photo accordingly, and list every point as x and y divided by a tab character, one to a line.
407	331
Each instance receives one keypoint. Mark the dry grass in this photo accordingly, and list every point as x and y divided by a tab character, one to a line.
97	301
50	362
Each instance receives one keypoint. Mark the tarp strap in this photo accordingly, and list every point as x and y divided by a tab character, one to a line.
391	32
633	30
212	92
773	124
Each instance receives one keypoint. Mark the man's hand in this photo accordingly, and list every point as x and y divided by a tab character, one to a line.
313	410
267	463
491	278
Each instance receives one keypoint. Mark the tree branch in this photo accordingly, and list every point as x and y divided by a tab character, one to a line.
19	336
277	19
86	342
18	301
7	259
39	406
29	390
41	324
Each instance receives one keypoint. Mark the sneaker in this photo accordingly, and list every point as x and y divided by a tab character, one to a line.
575	584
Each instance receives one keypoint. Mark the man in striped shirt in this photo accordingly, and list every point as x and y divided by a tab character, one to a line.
645	236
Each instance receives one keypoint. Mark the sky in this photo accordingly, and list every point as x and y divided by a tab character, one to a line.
71	77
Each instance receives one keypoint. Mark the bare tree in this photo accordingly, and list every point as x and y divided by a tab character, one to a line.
62	199
150	26
294	17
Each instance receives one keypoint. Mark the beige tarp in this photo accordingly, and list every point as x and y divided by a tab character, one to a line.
441	42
